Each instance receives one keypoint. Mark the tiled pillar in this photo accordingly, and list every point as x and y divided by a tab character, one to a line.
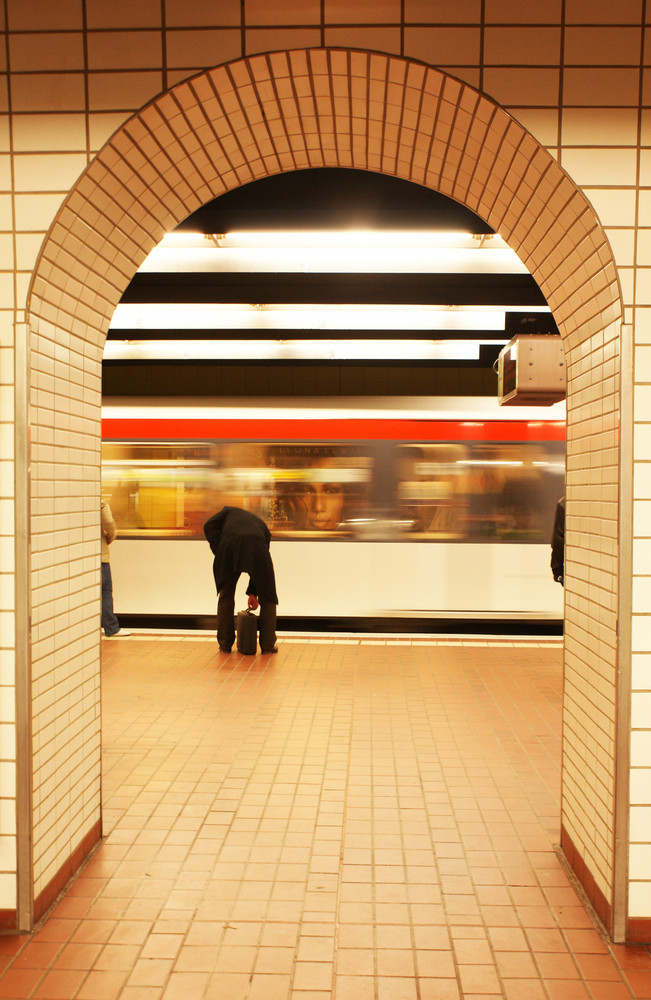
65	604
8	551
592	786
640	737
24	916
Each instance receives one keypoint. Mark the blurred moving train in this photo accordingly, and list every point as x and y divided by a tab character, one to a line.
386	515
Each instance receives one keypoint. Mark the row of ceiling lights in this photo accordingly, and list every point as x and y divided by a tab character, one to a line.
337	251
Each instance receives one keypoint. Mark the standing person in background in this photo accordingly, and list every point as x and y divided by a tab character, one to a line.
558	543
110	623
240	543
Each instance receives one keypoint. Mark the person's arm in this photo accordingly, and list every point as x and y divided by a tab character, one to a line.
109	529
558	543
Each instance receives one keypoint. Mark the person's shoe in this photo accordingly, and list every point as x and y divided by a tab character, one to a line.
120	634
268	652
225	649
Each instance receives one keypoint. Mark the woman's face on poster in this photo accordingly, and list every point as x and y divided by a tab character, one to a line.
325	504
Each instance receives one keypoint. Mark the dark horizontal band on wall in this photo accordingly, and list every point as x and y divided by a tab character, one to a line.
346	289
121	378
487	356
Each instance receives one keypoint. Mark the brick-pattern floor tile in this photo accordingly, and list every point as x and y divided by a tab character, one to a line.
357	818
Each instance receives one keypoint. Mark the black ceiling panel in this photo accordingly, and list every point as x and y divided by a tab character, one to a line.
332	198
386	289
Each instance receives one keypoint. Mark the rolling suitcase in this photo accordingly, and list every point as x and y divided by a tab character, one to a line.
246	630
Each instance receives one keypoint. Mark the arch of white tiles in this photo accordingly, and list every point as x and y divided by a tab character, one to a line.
243	121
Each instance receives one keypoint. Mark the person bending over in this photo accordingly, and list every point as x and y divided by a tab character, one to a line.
240	544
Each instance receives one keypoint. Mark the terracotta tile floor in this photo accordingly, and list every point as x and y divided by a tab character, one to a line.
354	818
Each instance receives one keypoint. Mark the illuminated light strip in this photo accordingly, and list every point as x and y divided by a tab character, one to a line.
343	258
389	239
310	350
434	431
316	316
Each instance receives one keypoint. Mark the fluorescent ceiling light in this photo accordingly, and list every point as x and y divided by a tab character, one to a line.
310	350
387	238
333	260
383	252
321	316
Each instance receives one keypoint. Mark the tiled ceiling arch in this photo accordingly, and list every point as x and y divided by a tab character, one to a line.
299	109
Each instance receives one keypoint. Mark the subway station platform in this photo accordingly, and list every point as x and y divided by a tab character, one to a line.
357	817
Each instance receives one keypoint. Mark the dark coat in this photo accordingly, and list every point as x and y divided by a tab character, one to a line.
558	542
240	543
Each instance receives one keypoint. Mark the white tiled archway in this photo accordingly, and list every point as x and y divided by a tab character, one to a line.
239	122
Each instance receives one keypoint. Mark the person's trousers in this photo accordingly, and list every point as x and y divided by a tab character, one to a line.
226	618
110	623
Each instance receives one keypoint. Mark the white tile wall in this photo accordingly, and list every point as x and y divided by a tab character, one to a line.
8	867
640	852
67	97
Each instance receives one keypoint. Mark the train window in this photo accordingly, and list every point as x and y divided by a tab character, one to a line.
169	490
319	489
300	490
159	490
465	490
480	490
431	484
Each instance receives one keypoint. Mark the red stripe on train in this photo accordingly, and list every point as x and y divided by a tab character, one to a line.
363	429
